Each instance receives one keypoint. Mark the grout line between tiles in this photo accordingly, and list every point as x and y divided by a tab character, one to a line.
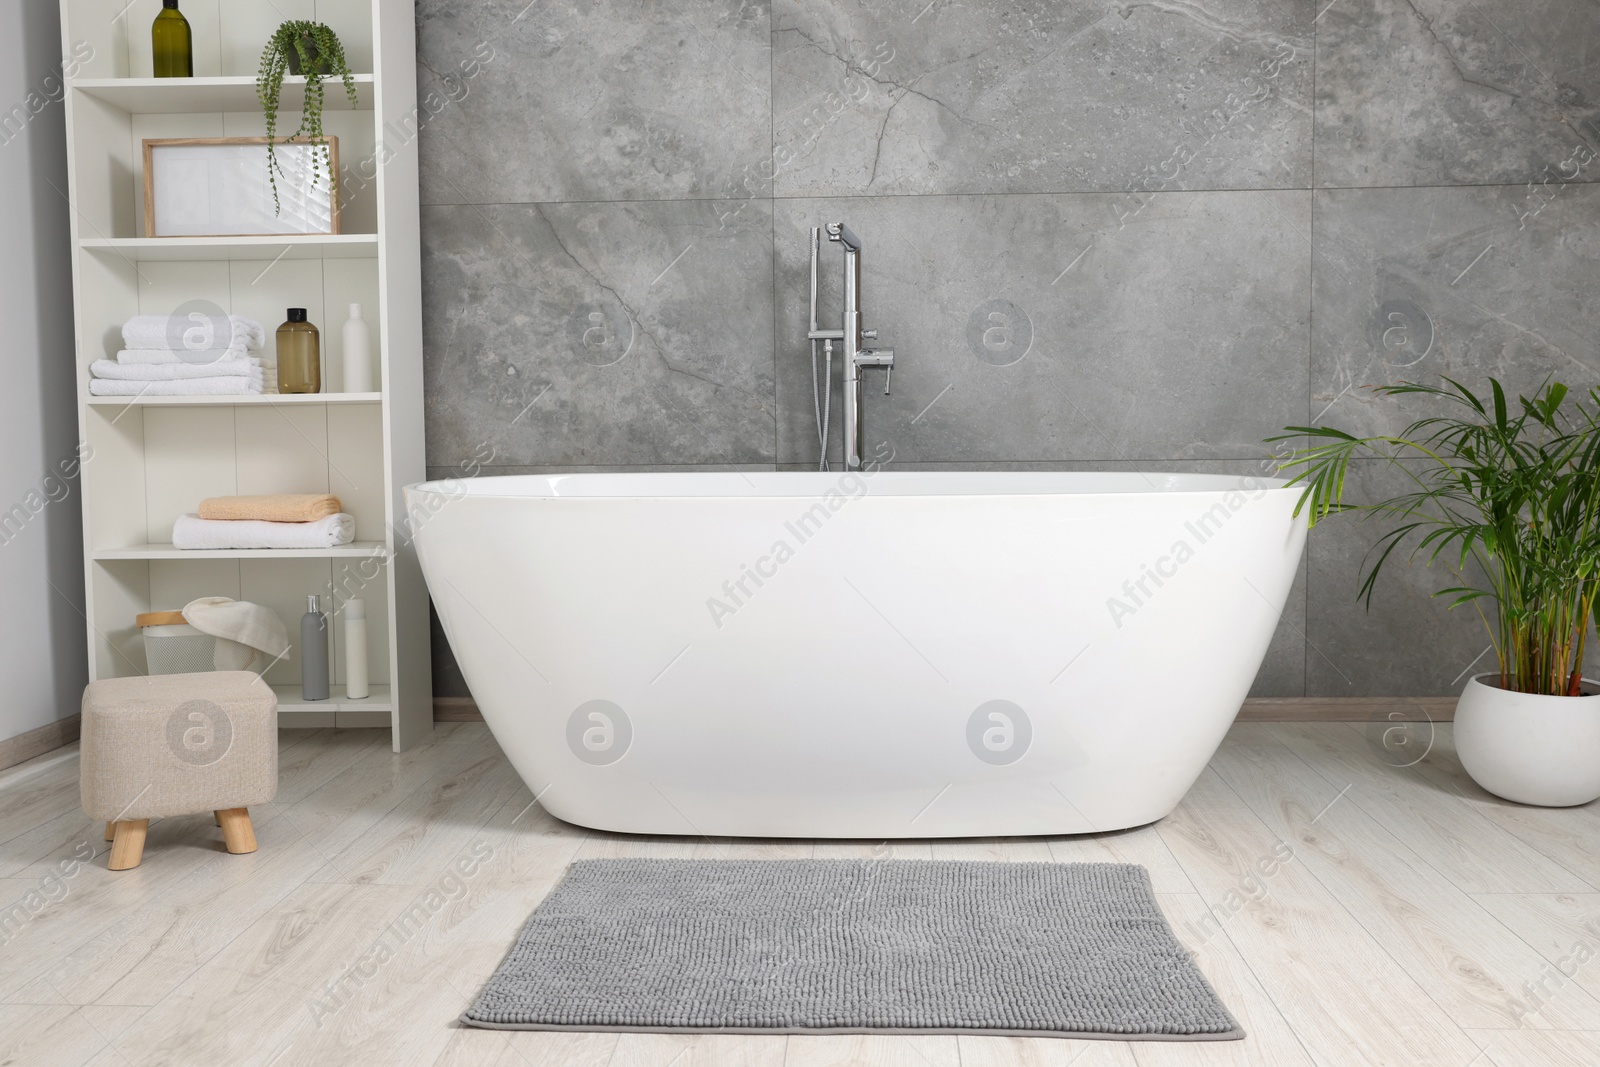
1005	195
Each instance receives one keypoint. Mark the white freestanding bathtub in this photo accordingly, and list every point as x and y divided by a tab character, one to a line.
884	655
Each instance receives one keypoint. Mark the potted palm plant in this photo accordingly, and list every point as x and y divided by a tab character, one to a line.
1507	497
304	48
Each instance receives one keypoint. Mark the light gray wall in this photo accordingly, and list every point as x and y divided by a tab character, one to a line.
1201	223
42	647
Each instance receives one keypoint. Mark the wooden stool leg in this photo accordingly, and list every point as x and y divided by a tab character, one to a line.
111	830
127	845
237	832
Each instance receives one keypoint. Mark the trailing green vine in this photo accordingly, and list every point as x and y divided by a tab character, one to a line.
317	51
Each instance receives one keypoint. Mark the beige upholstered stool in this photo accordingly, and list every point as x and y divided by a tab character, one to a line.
177	744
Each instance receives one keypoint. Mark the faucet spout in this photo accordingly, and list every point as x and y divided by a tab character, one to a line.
838	231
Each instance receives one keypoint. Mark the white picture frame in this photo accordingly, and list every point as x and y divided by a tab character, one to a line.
218	187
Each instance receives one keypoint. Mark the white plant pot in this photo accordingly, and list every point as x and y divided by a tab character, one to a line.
1540	750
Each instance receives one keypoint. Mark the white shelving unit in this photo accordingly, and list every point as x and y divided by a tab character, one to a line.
152	459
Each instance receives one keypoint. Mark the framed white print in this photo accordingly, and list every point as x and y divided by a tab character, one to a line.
218	187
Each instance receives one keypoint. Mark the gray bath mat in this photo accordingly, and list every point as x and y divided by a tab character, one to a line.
853	946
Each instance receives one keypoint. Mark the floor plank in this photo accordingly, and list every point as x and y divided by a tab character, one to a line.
468	1047
50	1036
153	946
880	1050
1475	853
1142	845
699	1050
1565	930
1043	1052
1334	984
995	849
410	844
1568	836
1402	925
282	982
1468	961
1537	1048
447	941
1269	1040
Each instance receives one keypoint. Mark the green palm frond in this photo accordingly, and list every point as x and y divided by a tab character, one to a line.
1508	491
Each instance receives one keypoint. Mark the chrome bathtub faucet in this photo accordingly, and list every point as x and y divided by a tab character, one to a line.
851	336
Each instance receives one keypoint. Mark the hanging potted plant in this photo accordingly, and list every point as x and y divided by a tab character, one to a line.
1509	499
301	48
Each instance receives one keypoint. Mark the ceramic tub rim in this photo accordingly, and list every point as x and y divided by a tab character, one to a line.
814	483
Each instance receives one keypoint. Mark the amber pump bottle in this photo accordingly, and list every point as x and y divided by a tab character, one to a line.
171	45
299	355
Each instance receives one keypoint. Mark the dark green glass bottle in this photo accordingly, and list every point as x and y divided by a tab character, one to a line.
171	44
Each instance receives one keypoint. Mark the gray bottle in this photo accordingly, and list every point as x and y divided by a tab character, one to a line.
313	652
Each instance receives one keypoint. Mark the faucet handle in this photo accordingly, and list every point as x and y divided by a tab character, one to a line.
888	372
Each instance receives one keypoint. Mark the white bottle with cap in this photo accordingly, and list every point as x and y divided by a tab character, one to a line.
360	372
355	649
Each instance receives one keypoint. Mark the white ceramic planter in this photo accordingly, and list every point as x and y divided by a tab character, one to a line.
1532	749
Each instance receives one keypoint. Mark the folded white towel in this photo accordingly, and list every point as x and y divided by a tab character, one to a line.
240	385
193	333
239	620
193	532
173	372
200	357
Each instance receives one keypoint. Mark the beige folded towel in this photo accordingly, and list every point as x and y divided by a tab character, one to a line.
280	507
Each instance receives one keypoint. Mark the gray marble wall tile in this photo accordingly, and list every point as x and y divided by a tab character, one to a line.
1415	284
598	333
448	681
1042	327
586	101
1445	92
1117	262
1040	96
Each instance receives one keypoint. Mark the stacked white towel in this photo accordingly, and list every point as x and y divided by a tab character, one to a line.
239	386
138	357
193	333
193	532
202	355
229	378
171	372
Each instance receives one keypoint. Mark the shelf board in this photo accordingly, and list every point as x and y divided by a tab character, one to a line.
355	548
248	400
182	96
289	699
285	246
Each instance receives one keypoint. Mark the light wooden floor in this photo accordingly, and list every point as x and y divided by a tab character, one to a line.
1414	921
